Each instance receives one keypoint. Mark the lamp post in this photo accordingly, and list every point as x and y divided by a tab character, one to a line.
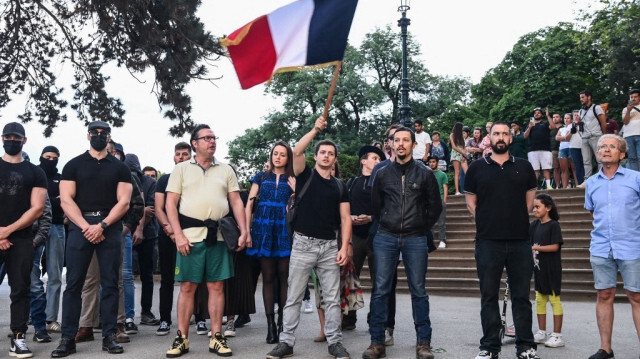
404	110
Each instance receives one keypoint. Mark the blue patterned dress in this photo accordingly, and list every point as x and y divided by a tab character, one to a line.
269	229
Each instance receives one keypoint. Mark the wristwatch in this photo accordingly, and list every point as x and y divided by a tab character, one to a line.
103	224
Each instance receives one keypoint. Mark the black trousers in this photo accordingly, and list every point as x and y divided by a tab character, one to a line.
145	263
18	260
167	258
79	252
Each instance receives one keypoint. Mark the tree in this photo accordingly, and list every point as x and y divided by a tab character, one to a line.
364	105
545	68
164	36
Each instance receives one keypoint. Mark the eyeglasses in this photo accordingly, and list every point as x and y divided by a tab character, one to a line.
208	138
610	147
98	132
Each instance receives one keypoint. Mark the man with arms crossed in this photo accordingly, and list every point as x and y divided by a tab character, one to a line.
613	197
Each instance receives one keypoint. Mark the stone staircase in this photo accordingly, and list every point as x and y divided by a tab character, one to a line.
452	271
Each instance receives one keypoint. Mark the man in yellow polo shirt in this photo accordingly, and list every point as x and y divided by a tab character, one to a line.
199	193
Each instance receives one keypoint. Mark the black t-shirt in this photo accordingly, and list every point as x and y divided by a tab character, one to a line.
16	183
319	209
539	137
53	190
96	181
501	210
360	198
548	277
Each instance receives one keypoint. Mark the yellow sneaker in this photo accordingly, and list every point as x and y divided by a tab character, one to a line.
179	346
218	345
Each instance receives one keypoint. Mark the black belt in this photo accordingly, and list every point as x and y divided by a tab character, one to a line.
96	214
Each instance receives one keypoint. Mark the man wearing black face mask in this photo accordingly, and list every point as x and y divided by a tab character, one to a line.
95	191
23	189
54	248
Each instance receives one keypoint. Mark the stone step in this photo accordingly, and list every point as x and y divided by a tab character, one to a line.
468	252
461	209
568	223
567	234
470	262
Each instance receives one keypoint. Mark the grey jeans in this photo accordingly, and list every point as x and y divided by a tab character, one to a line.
589	150
319	254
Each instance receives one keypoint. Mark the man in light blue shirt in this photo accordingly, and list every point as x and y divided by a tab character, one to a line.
613	197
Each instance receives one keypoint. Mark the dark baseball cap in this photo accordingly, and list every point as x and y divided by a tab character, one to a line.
99	124
13	128
368	149
118	147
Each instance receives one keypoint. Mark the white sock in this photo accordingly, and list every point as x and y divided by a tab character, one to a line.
548	182
556	334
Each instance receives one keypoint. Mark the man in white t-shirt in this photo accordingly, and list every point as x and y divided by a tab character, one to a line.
595	124
631	129
423	142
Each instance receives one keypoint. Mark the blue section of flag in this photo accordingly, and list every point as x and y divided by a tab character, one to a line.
329	30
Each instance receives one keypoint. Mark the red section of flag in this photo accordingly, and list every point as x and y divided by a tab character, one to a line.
254	57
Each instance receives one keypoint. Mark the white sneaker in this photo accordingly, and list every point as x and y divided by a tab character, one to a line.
307	307
230	330
442	245
554	341
540	337
485	354
388	337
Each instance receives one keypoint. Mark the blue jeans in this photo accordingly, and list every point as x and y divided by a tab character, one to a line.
38	299
54	250
576	157
127	280
415	256
633	152
491	259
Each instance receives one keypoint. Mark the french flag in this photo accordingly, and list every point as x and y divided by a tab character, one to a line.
303	33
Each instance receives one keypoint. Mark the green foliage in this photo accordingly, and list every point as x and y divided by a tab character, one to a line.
164	36
365	102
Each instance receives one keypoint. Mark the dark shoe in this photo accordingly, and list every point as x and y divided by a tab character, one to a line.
423	351
148	319
375	351
41	336
18	347
66	347
272	330
164	328
110	345
121	335
201	328
242	320
279	321
602	354
349	321
282	350
532	354
130	327
485	354
85	334
338	351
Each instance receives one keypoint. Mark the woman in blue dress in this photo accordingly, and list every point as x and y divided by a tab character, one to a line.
268	238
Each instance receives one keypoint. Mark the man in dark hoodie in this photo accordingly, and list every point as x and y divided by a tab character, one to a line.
144	239
54	248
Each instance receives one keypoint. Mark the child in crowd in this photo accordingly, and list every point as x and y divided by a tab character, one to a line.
546	239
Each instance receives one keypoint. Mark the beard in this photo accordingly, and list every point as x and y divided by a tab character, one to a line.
499	150
402	157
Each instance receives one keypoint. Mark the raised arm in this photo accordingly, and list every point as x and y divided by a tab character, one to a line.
305	141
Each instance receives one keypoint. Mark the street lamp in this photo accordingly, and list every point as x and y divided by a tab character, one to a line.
404	110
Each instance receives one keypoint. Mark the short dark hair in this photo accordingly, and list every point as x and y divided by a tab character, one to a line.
587	93
182	146
406	129
149	168
433	158
194	133
498	123
636	91
418	122
392	127
326	143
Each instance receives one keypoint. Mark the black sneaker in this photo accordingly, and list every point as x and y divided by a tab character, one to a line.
41	336
338	351
201	328
529	354
164	328
148	319
242	320
485	354
602	354
130	327
18	347
282	350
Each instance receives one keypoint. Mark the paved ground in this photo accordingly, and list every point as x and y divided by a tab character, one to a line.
455	321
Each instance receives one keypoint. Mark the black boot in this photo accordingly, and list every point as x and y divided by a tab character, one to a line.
272	335
279	320
66	347
110	344
242	320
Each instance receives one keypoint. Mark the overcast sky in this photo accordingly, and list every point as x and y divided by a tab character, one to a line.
463	38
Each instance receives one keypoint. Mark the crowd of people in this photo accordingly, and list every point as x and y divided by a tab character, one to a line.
298	222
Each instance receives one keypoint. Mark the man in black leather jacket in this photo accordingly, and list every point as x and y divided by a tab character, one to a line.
406	202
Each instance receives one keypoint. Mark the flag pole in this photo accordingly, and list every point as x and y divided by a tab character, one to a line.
327	104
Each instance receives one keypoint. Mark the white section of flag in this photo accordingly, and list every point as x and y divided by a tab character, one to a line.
289	27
